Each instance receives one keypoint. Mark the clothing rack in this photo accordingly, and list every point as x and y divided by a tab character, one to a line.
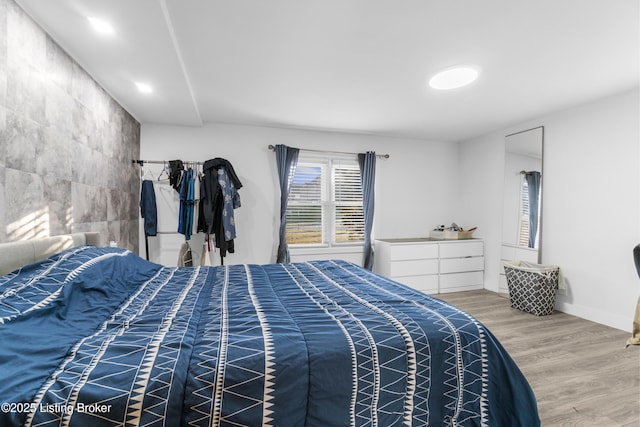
381	156
186	163
164	162
158	162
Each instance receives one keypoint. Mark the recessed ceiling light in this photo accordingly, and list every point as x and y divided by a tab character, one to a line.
100	25
144	87
454	77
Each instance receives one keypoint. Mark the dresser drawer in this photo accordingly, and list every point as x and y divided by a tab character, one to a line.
458	265
413	267
407	252
460	249
512	253
426	284
461	281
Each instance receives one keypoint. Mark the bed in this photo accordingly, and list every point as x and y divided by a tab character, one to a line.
97	336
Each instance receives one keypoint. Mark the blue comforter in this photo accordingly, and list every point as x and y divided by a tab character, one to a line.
99	336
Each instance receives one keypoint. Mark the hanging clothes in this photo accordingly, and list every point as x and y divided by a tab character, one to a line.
148	208
190	203
185	256
220	197
205	259
176	168
187	203
197	179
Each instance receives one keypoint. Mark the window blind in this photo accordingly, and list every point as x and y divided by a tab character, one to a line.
325	203
523	230
347	196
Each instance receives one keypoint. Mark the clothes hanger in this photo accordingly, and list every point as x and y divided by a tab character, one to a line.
164	172
145	172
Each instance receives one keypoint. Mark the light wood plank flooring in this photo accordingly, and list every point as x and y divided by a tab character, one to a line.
580	371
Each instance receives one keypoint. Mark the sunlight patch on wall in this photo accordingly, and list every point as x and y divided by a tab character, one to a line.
68	221
31	226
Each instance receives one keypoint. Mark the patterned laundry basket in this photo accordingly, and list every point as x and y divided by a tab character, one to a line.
532	287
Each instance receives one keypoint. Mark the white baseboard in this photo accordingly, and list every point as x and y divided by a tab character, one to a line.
618	321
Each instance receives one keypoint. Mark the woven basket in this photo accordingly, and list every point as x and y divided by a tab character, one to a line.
532	287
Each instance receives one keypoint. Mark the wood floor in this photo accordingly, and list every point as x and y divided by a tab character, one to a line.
580	371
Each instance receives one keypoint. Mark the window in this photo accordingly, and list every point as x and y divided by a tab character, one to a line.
325	202
523	229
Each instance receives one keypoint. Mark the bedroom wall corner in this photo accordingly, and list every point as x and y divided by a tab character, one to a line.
65	145
480	201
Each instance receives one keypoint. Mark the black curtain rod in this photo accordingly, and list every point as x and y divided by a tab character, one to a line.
382	156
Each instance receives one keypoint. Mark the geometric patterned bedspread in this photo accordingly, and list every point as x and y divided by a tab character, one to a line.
101	337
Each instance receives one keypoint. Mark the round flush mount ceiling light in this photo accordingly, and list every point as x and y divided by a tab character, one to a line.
100	25
144	87
455	77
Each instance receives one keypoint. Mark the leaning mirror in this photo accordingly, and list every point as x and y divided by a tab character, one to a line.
521	219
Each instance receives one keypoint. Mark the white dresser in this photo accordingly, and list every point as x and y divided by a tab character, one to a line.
432	266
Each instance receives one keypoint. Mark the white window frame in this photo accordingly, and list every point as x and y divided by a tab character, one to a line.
328	206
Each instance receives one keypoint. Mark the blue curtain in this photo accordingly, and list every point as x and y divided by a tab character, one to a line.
533	182
367	163
287	159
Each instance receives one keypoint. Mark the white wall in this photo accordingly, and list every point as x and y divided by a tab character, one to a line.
416	187
590	203
480	202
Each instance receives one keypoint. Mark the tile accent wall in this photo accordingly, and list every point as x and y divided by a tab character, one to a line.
65	145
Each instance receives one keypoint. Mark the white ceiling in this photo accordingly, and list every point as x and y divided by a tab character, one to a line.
351	65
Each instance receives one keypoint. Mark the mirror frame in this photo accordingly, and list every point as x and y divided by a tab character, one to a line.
541	201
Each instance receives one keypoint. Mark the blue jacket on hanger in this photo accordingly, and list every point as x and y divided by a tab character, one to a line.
148	208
